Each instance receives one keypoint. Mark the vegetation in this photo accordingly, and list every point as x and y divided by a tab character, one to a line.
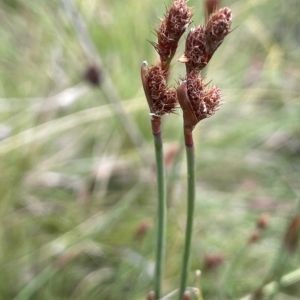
78	189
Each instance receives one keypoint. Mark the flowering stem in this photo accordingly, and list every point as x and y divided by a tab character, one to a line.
162	208
190	155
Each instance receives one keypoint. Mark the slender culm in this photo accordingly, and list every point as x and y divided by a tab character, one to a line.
198	102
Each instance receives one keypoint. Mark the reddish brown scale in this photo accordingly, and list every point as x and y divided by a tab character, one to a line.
217	28
164	98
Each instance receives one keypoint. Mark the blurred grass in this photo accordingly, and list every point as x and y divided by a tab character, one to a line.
73	188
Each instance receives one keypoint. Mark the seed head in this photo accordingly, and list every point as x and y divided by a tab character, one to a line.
217	28
176	21
195	55
161	99
203	101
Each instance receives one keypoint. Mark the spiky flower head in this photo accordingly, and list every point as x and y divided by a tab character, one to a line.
204	100
203	41
176	21
217	28
197	100
161	99
195	55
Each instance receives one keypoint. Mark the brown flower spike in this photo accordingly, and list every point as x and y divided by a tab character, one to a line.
161	99
195	55
176	21
203	41
216	29
196	100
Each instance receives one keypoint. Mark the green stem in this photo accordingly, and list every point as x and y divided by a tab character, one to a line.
162	208
173	176
190	155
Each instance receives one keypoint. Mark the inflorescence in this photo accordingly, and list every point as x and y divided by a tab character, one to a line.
201	101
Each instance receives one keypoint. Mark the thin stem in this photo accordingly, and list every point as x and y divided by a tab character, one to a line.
162	208
190	155
173	175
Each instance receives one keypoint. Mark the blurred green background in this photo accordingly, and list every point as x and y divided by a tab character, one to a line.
78	189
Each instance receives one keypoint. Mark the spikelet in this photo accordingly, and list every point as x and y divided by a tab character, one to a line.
161	99
204	101
197	100
176	21
203	41
216	29
195	55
